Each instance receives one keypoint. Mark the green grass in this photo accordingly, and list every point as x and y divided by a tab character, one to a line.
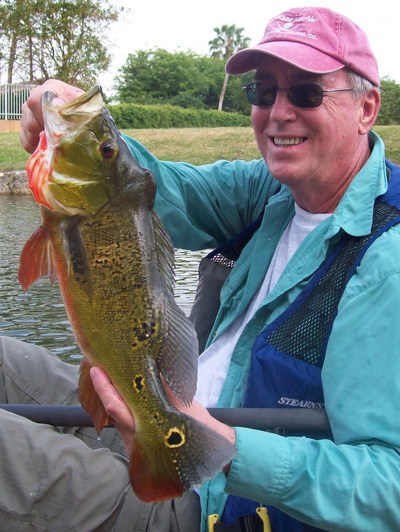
391	138
195	145
12	155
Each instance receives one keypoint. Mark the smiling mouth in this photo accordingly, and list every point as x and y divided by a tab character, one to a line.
288	142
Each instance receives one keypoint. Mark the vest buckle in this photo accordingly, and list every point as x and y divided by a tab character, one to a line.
248	523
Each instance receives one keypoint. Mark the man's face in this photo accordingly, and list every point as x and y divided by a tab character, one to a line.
314	150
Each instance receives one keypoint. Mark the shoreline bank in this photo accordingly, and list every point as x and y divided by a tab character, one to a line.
14	183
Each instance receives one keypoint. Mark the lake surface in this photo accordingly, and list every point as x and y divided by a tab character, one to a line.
38	316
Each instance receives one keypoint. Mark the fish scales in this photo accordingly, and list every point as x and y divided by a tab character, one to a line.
114	263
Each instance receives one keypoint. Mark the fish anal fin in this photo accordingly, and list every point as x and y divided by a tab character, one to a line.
157	483
37	259
89	398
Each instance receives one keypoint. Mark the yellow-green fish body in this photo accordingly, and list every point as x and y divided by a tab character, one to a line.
114	263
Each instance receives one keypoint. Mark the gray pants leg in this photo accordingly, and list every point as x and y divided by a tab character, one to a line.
67	480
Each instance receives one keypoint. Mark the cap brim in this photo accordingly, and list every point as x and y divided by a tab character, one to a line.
300	55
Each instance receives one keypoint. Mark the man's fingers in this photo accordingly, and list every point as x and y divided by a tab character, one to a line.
115	406
107	392
32	116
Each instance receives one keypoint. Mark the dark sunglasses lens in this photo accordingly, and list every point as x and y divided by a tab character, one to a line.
259	95
306	95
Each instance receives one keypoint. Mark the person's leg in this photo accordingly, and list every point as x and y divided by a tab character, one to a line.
50	480
177	515
53	481
30	374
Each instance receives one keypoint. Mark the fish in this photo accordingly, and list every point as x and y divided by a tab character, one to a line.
101	240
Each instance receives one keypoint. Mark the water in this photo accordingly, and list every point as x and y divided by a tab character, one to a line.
38	316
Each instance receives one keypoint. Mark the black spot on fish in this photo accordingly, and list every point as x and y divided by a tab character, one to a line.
138	383
175	438
145	331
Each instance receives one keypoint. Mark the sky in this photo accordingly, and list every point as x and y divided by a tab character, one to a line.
182	25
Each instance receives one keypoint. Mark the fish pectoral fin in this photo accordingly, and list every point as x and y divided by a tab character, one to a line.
179	354
89	398
37	259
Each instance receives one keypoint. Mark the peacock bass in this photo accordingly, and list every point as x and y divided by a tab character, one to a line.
114	263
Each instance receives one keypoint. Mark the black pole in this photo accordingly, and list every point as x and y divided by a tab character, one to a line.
285	421
57	415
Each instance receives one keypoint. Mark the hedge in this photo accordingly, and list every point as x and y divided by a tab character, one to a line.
135	116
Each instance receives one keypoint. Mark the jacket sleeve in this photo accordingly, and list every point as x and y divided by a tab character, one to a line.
351	483
202	206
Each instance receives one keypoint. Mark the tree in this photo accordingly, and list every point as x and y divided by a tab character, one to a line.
56	38
228	41
178	78
159	76
13	16
390	107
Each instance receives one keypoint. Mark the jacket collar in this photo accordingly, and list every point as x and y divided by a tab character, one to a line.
355	211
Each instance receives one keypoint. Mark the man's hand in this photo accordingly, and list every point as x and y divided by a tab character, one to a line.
115	406
32	117
123	420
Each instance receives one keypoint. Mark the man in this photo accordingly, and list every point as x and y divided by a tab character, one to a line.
315	100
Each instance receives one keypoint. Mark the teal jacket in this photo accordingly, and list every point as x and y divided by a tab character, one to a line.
352	483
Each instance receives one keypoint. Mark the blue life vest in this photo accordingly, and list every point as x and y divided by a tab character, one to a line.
287	356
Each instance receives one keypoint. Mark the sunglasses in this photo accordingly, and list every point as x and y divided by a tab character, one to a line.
304	95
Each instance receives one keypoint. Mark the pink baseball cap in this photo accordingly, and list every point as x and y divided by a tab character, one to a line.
313	39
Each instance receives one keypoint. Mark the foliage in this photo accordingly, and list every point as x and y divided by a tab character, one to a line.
390	108
136	116
158	76
177	78
55	38
193	81
229	40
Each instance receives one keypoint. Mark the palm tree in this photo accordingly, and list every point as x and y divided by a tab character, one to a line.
228	41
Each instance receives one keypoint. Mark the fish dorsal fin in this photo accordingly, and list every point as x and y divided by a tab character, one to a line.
165	254
178	358
37	259
179	353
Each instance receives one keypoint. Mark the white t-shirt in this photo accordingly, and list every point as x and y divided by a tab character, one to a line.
214	361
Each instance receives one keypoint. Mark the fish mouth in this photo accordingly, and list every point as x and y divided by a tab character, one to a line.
83	99
65	190
88	104
78	111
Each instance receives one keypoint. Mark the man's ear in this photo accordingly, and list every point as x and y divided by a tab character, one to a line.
370	105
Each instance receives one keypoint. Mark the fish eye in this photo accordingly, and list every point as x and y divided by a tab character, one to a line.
107	149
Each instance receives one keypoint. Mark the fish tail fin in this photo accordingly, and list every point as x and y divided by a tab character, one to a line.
37	259
89	398
187	454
